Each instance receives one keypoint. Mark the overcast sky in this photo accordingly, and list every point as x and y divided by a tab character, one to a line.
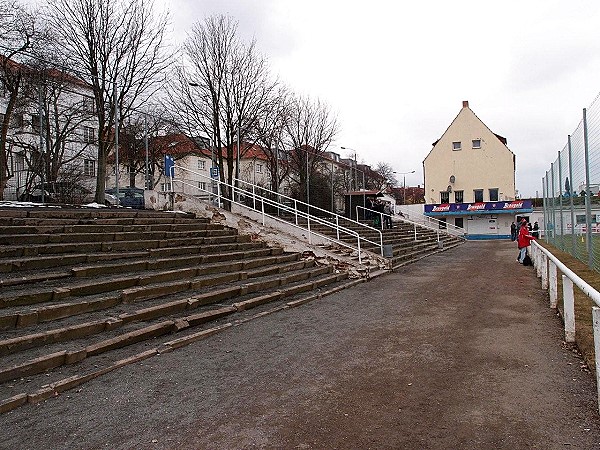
395	73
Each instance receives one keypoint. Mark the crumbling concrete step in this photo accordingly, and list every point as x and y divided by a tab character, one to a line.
8	265
57	382
416	255
84	287
125	250
130	336
94	213
104	228
54	238
21	318
33	278
12	251
242	259
289	273
208	249
89	220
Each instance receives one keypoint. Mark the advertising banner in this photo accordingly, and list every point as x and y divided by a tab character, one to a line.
511	207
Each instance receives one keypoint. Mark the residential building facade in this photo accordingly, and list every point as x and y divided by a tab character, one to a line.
470	179
53	126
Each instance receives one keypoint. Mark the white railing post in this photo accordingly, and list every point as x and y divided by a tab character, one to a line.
296	210
553	286
337	226
544	265
537	258
218	193
569	308
263	210
596	321
308	228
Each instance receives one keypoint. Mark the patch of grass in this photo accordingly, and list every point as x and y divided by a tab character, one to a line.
584	333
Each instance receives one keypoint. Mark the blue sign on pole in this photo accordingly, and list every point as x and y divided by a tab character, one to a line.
169	166
214	172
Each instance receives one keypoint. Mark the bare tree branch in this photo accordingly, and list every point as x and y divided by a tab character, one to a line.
119	46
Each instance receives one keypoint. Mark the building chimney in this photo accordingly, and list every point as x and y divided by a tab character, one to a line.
465	103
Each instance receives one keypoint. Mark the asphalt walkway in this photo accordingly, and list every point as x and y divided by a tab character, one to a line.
456	351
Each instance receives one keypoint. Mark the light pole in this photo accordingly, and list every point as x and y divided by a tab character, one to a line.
363	176
404	185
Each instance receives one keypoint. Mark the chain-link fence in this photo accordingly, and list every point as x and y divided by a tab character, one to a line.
571	190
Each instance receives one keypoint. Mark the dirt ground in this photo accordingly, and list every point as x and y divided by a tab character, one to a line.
456	351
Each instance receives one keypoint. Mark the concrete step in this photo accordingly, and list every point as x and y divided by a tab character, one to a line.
54	238
69	369
34	214
30	354
135	275
123	250
417	254
94	228
80	286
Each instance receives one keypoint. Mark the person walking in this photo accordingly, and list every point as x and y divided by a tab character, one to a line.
513	231
523	240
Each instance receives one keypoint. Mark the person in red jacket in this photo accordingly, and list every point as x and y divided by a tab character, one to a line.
523	240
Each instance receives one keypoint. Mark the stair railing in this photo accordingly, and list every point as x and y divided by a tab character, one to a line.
329	217
415	224
242	191
432	223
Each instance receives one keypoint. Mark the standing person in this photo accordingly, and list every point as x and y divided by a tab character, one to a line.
536	232
378	208
370	208
523	240
513	231
387	218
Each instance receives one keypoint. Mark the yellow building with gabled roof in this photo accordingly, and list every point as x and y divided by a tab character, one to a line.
469	179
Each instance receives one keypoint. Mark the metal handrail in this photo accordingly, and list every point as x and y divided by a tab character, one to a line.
592	293
547	266
238	192
439	225
333	216
415	224
381	214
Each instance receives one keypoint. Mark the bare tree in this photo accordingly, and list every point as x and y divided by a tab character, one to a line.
310	130
138	145
387	174
118	47
64	114
248	97
224	91
17	36
269	131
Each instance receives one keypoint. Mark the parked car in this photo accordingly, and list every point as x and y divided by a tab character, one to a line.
56	192
109	200
129	197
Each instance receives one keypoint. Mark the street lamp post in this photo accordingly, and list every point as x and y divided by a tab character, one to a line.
363	176
404	185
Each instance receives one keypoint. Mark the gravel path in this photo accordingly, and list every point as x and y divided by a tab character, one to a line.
456	351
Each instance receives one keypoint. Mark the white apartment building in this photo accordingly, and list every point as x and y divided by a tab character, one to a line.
55	111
